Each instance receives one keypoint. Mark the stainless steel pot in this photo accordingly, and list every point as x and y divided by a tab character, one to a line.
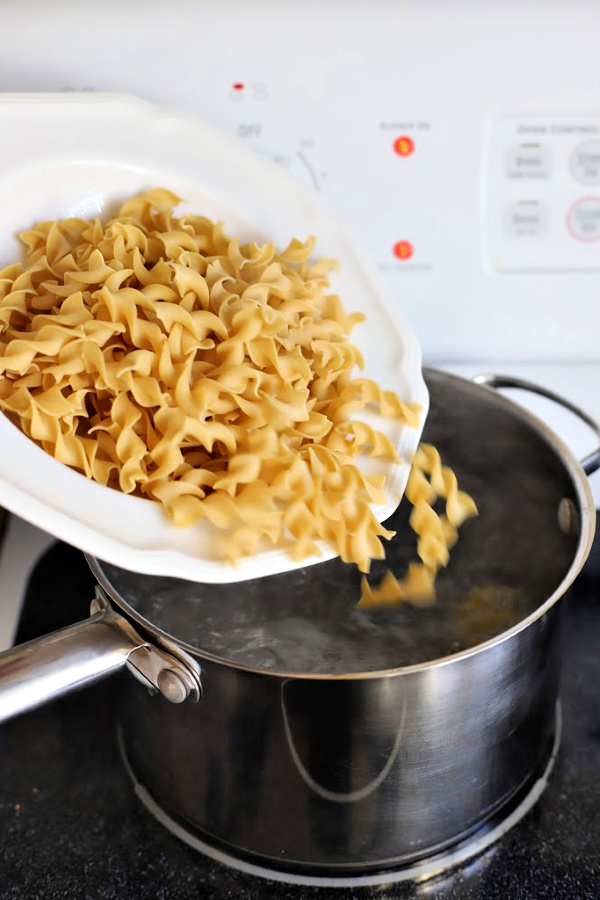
333	740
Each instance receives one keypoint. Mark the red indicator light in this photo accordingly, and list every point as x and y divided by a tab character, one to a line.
403	250
238	86
404	145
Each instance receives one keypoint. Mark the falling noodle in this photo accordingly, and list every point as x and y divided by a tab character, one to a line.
158	356
428	481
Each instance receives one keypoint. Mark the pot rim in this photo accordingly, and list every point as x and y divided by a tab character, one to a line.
588	524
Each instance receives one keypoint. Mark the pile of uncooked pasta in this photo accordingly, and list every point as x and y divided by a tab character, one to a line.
156	355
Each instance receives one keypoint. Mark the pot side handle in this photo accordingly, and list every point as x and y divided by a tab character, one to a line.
58	663
591	462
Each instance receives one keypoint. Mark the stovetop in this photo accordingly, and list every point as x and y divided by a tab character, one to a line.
71	825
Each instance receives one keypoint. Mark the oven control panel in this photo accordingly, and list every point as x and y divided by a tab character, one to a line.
542	194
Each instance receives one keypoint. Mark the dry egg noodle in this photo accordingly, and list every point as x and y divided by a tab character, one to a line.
428	481
158	356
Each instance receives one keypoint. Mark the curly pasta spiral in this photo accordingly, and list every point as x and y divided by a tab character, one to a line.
428	481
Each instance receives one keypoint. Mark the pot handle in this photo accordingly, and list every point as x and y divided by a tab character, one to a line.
50	666
592	461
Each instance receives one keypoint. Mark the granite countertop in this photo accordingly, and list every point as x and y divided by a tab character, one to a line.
71	825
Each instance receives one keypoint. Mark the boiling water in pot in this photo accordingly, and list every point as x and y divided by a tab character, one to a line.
507	562
290	627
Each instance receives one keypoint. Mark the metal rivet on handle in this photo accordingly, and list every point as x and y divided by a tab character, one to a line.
568	519
171	686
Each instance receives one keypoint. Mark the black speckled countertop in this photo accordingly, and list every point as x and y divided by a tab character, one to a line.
72	827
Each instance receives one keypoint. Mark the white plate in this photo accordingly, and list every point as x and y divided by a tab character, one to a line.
81	155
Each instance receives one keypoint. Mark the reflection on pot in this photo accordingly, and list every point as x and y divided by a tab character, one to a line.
344	744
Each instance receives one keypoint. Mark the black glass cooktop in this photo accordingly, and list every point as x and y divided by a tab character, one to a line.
71	825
